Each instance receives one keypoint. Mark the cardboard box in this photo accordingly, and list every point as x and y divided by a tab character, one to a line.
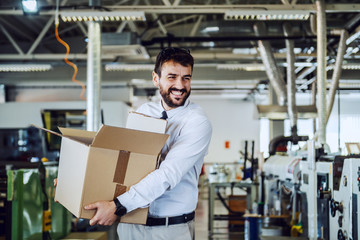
101	165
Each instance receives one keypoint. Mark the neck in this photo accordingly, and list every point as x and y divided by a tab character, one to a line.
165	106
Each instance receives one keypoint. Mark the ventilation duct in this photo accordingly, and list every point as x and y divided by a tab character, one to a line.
125	44
272	71
290	71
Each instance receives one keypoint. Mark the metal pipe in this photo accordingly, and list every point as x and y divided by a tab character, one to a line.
93	77
201	9
290	71
313	101
313	23
272	71
337	72
321	70
245	158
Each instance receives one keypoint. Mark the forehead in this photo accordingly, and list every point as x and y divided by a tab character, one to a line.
171	67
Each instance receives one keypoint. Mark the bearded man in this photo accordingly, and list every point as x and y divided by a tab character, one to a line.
171	191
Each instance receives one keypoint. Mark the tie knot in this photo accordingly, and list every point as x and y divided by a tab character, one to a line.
164	115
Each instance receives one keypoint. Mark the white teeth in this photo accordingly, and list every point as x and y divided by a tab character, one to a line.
177	93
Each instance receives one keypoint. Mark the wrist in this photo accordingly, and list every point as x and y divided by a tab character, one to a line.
120	210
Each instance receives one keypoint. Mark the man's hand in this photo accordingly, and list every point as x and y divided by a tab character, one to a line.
105	213
55	184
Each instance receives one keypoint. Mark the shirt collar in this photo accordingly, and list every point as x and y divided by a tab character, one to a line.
174	111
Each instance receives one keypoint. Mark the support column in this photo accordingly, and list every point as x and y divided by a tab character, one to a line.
93	117
321	69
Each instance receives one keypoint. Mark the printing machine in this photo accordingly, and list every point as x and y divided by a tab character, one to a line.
331	185
344	204
323	193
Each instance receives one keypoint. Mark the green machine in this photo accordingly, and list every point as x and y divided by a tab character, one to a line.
34	214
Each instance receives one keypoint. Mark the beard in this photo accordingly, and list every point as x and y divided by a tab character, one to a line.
165	94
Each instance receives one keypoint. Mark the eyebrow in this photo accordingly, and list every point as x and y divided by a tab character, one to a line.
173	74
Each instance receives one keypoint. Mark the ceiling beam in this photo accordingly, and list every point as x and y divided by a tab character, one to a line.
41	35
82	28
155	16
208	9
12	41
176	3
16	29
166	3
196	26
121	26
222	8
197	55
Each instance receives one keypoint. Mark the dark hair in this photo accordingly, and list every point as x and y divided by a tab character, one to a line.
179	55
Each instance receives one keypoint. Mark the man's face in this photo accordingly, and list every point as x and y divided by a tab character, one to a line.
174	84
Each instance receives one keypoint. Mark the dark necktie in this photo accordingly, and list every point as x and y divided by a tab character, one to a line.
164	115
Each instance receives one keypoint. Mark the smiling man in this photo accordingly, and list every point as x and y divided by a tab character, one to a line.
170	191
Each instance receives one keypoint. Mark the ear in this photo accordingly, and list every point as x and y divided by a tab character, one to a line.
155	79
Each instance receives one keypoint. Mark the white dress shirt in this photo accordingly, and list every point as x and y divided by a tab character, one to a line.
172	189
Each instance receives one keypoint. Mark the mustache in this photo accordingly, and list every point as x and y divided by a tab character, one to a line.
176	89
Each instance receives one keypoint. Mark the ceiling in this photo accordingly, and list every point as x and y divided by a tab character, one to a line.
225	51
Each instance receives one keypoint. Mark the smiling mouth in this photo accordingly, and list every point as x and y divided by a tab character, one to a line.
177	92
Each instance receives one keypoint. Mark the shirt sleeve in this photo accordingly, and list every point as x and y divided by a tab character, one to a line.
190	146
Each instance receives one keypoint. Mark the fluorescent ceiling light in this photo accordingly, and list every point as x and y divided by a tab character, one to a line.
25	67
241	67
208	44
30	6
257	66
266	15
128	67
348	66
210	29
244	51
296	50
144	67
84	16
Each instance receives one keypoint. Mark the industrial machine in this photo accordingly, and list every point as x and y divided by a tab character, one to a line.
345	201
281	182
31	212
331	185
319	192
28	166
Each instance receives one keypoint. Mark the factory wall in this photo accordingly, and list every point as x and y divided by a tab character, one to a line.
23	114
343	125
233	121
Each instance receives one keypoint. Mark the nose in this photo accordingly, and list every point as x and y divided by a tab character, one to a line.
179	83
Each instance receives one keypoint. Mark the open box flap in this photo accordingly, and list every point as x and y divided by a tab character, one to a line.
130	140
142	122
47	130
79	135
82	136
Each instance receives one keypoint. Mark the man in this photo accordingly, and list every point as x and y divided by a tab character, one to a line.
171	190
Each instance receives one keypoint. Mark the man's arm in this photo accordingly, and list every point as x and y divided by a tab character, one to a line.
190	146
188	150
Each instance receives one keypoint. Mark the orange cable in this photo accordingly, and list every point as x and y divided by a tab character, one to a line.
70	63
